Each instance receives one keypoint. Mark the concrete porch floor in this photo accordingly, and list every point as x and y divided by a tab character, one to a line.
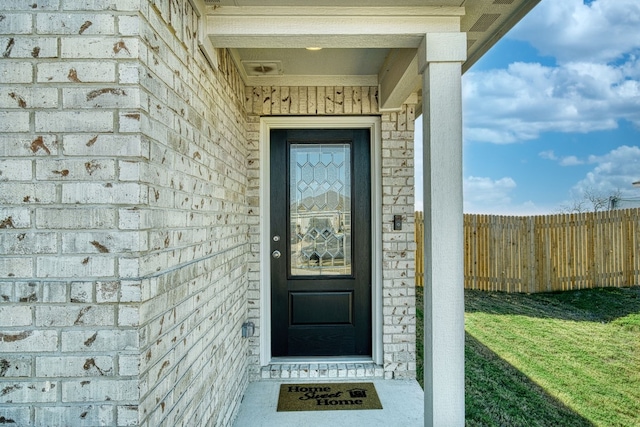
402	403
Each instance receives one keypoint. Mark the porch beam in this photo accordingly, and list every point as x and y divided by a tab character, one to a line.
398	78
337	27
320	11
440	60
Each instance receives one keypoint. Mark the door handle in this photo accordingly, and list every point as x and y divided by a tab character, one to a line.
276	254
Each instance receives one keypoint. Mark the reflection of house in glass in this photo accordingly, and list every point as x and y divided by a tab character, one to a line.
321	239
320	209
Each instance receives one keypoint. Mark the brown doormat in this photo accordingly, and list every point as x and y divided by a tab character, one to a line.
329	396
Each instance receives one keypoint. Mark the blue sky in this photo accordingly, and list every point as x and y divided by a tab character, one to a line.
553	110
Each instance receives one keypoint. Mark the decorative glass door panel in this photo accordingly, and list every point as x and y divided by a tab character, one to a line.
320	209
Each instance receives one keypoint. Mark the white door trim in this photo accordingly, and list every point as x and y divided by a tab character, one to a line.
364	122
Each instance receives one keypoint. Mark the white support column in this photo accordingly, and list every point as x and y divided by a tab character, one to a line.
440	59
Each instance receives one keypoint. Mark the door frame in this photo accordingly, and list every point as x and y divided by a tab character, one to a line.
360	122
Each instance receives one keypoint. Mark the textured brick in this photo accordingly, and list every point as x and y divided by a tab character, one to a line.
15	218
99	341
127	415
107	291
77	315
16	267
30	5
129	73
128	365
77	416
100	390
74	366
99	47
14	122
75	169
29	47
74	121
22	146
105	145
128	25
15	366
118	242
128	316
130	291
15	316
21	193
54	292
31	392
16	72
64	23
13	23
131	121
77	72
17	415
28	243
101	97
26	292
75	218
15	170
100	5
129	171
129	268
75	266
81	292
97	193
28	341
28	97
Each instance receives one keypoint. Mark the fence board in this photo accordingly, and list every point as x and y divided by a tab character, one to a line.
546	253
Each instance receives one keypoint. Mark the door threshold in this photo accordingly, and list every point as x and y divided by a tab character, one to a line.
326	369
320	359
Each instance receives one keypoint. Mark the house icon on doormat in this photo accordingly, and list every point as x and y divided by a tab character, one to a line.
356	393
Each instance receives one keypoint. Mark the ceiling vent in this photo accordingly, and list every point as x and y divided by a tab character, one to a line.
484	22
262	68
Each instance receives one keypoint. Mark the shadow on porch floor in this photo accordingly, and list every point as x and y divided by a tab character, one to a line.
402	403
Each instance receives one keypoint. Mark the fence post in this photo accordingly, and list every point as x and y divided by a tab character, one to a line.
419	238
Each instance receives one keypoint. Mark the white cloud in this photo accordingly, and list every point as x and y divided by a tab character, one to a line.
549	155
595	85
572	31
564	161
570	161
526	99
614	171
485	194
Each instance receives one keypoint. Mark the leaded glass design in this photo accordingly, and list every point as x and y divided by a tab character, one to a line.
320	193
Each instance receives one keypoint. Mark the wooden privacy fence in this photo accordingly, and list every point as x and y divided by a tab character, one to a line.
547	253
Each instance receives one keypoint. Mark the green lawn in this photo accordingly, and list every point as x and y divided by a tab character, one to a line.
553	359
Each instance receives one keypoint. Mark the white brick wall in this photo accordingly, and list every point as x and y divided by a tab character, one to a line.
193	364
69	343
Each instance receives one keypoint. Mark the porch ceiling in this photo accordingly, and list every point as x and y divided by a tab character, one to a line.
365	42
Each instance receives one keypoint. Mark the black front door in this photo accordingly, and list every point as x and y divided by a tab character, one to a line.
320	242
